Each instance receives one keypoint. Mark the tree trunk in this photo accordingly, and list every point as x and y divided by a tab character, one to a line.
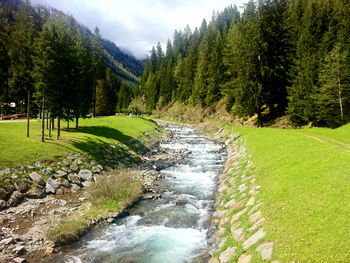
50	125
40	114
47	120
68	124
28	113
58	128
53	123
76	122
340	98
95	101
259	121
43	121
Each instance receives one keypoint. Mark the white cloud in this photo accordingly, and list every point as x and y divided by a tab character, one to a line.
139	24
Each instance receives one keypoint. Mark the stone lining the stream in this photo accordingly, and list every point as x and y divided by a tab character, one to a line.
240	235
40	202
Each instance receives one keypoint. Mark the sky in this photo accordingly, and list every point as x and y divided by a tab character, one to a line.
137	25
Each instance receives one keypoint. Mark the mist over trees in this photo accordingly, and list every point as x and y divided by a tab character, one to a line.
278	57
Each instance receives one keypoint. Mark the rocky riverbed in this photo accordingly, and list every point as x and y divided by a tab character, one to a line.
36	196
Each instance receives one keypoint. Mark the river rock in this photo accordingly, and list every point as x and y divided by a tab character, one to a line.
245	258
96	169
5	171
39	164
73	178
230	203
181	202
2	204
51	186
21	170
85	175
21	186
63	182
254	239
74	167
59	174
15	199
46	171
62	191
238	234
265	250
254	217
75	187
36	192
7	241
20	260
37	178
19	251
227	254
49	251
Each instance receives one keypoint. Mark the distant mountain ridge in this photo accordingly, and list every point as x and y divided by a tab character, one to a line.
124	65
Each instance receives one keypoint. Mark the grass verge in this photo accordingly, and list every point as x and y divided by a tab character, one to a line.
16	149
305	179
112	193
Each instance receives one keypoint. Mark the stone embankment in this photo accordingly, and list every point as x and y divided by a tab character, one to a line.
34	197
240	235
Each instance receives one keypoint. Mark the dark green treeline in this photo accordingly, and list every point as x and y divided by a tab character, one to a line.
50	62
278	57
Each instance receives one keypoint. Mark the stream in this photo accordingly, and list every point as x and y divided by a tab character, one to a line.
171	229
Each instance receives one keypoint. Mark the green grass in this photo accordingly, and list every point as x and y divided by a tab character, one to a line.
305	179
16	149
111	194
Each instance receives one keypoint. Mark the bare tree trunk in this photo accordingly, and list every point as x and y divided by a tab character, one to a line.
50	125
58	128
76	122
28	113
340	98
47	120
53	123
95	101
43	121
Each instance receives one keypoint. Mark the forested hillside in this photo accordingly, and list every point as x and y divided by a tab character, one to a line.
278	57
49	61
126	66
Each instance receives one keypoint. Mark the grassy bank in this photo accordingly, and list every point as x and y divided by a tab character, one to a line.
305	179
112	193
16	149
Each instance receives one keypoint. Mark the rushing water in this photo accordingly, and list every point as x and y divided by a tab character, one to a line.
158	231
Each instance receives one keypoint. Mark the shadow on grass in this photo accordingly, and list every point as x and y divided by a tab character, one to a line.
103	132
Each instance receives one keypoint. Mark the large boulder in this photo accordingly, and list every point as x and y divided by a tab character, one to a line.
36	192
15	199
85	175
37	178
51	186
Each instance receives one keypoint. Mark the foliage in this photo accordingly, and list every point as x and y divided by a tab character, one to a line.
270	60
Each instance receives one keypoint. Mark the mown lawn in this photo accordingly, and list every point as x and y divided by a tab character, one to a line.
305	179
16	149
